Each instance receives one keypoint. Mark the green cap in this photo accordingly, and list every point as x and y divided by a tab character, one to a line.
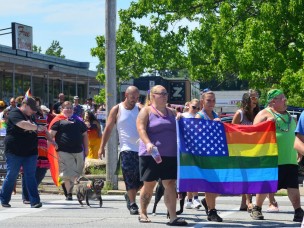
272	94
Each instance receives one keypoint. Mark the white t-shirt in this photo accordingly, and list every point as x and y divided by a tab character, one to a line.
188	115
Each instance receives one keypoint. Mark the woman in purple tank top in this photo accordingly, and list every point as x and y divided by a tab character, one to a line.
156	127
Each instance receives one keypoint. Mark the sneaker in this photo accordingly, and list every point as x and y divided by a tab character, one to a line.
69	197
204	203
134	209
189	205
5	205
213	216
37	205
196	204
26	202
298	217
127	200
256	213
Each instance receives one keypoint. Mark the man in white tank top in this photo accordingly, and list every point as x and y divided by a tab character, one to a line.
124	115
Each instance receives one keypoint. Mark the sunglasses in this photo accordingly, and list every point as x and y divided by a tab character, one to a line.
194	107
162	94
254	98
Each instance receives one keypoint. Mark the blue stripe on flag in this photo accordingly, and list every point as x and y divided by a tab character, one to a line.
228	175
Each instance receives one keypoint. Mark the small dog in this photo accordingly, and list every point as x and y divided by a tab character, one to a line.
159	192
89	190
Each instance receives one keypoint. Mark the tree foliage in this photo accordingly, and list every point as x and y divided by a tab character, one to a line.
37	49
55	49
259	41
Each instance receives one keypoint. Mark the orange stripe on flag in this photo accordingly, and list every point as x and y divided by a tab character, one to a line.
250	138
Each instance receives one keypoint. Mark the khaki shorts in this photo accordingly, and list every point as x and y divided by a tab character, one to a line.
70	164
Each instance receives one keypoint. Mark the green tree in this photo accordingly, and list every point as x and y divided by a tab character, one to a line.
37	49
55	50
259	41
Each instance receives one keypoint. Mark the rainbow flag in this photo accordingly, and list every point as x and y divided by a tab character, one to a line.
28	93
226	158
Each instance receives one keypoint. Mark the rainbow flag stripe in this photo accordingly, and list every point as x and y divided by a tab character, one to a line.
225	158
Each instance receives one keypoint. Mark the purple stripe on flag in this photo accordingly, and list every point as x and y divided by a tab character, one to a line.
234	188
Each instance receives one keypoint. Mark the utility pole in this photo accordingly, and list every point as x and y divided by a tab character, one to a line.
111	89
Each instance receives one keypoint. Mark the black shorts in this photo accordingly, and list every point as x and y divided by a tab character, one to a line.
288	176
151	171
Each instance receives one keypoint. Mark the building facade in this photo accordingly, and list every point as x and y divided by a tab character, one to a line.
47	76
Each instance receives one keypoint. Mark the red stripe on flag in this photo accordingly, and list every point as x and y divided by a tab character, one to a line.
267	126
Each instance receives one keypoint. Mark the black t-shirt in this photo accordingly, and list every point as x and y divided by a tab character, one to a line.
17	140
69	135
56	107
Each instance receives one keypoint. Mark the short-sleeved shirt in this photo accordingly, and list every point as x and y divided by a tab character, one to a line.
78	110
56	107
17	140
69	135
300	125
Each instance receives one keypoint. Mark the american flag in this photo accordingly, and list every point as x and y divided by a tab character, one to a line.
206	139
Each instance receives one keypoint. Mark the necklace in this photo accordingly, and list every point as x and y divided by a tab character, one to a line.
159	113
279	123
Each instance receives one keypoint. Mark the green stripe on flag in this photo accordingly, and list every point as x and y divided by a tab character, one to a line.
225	162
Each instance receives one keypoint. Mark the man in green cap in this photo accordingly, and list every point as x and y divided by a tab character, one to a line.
287	156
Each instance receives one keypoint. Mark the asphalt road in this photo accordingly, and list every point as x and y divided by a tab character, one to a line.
56	212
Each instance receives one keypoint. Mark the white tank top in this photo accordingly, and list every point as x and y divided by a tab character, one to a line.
126	127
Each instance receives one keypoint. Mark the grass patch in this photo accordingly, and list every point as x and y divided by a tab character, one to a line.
97	171
108	186
282	192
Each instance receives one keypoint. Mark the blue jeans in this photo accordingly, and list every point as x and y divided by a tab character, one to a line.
40	174
14	163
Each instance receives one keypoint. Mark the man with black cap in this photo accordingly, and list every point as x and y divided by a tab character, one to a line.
287	156
21	150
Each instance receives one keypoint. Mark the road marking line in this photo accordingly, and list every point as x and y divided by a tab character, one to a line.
9	213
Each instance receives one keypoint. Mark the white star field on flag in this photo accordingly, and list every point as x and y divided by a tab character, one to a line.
204	137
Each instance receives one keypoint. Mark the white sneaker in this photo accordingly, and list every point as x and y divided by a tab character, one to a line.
189	205
196	204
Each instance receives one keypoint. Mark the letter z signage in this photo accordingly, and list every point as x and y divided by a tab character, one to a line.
177	92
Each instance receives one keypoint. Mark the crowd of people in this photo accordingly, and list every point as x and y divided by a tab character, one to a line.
76	131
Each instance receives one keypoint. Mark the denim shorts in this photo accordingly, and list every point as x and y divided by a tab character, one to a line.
130	169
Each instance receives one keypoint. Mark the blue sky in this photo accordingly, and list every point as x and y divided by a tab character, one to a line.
74	23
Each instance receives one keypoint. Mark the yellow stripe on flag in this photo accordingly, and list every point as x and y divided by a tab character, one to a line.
253	150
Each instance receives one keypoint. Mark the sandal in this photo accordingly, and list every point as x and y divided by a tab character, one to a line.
249	207
144	220
273	208
177	222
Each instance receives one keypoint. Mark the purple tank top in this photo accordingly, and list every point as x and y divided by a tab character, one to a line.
162	133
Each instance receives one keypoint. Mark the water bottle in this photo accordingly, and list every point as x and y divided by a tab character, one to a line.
155	154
